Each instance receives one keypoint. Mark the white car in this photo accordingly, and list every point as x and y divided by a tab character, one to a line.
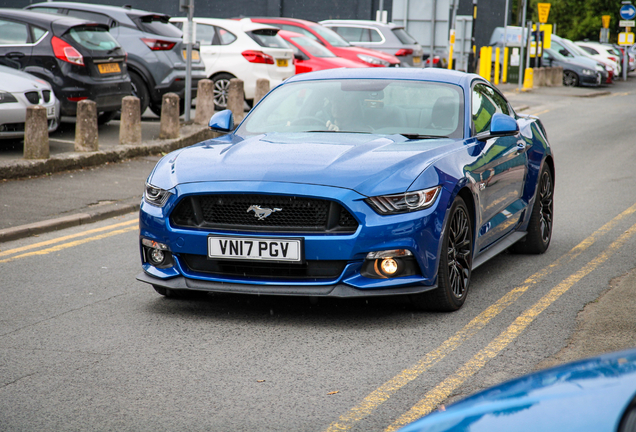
241	49
602	53
18	91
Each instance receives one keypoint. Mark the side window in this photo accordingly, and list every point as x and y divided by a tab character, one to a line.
48	10
561	49
92	16
205	34
375	36
352	34
225	36
37	33
486	102
13	33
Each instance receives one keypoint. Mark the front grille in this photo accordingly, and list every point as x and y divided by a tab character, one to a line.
32	97
12	127
46	95
309	271
277	213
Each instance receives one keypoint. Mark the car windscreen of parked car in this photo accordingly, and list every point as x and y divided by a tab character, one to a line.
412	108
312	47
93	38
157	24
330	36
403	36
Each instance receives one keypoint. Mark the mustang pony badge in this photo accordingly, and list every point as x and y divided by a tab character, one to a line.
262	213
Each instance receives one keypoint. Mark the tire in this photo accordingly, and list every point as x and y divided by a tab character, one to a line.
105	117
540	226
221	84
570	79
455	263
140	90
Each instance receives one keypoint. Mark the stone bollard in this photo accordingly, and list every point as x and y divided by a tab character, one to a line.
130	125
235	99
558	76
548	77
36	133
205	102
538	77
262	88
86	126
170	125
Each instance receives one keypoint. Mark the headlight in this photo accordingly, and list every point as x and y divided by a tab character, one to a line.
7	98
373	60
588	72
155	196
404	202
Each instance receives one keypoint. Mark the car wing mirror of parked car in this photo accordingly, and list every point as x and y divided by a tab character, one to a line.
500	125
222	121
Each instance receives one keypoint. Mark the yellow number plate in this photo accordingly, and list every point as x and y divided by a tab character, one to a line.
108	68
282	62
195	55
417	60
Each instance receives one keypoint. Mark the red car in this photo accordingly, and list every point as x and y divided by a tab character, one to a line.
310	56
334	42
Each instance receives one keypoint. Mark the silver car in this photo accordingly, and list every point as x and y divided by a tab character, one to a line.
18	91
389	38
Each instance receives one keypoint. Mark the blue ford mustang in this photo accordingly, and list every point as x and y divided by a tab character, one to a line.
352	182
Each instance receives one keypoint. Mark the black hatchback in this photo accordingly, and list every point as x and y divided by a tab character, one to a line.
79	58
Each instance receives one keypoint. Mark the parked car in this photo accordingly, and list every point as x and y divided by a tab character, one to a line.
333	42
619	50
241	49
389	38
602	53
79	58
156	53
596	394
310	56
18	91
576	72
348	183
571	51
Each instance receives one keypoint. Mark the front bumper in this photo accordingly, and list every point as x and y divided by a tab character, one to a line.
13	116
419	232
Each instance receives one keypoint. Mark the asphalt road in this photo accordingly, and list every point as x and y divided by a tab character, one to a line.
84	346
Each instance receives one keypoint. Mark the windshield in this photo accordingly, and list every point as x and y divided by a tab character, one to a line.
157	25
93	38
267	38
575	48
377	106
312	47
330	36
403	36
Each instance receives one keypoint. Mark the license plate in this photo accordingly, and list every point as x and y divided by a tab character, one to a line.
195	55
50	111
282	62
108	68
264	249
417	60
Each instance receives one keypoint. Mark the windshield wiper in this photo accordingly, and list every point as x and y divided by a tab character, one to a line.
337	131
418	136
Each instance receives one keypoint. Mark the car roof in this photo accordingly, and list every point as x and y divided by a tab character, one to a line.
97	8
282	19
44	19
361	22
425	74
237	25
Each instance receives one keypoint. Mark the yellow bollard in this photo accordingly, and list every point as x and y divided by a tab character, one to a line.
504	73
527	79
483	62
497	54
489	63
451	45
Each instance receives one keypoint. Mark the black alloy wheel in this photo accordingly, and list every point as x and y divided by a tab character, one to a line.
455	264
139	90
540	226
570	79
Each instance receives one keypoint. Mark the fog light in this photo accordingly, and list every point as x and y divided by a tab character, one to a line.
156	256
389	266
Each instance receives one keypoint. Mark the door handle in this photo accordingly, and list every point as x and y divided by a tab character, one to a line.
521	147
15	54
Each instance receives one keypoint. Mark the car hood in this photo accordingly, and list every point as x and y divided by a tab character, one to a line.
372	52
12	80
589	395
367	163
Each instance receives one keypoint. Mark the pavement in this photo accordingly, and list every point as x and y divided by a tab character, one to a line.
73	188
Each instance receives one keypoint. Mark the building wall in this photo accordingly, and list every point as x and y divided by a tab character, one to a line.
490	14
309	10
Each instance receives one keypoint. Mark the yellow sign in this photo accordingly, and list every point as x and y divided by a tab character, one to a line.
626	38
606	20
544	11
547	34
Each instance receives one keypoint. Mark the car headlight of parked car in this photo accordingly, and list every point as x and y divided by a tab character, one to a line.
155	196
404	202
373	60
588	72
7	98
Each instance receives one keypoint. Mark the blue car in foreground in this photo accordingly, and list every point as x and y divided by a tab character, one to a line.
350	183
596	395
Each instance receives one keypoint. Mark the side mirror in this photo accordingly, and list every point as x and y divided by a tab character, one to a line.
500	125
222	121
300	56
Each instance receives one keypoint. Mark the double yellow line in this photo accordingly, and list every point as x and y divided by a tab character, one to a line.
107	231
433	398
